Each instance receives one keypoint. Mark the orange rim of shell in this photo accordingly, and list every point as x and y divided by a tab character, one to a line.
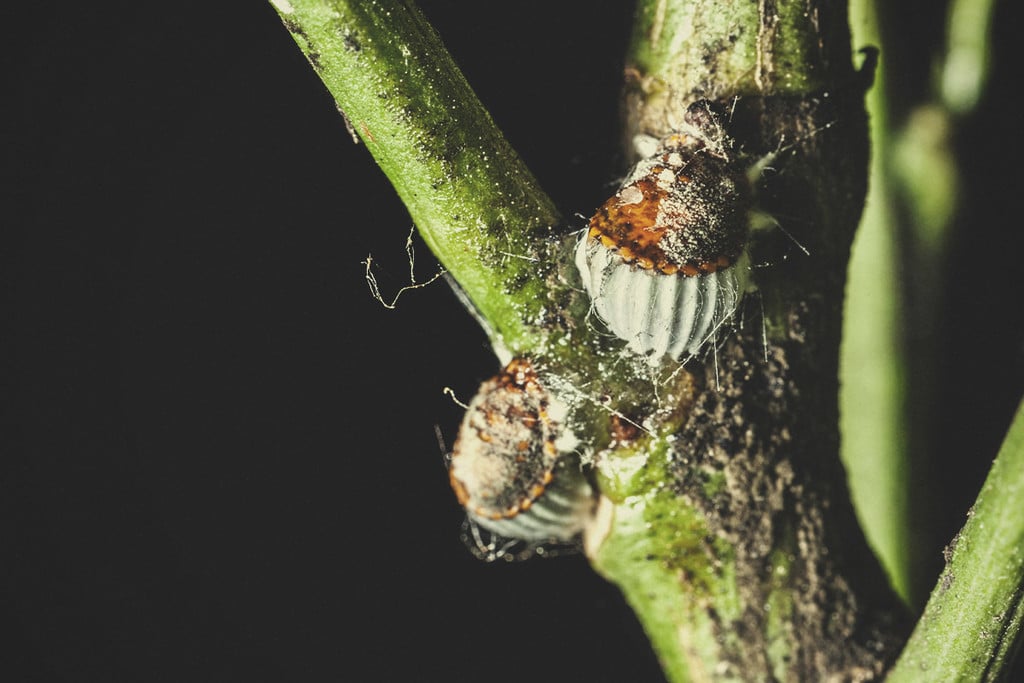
634	232
518	375
535	492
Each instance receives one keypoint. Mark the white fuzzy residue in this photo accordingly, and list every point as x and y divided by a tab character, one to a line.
622	469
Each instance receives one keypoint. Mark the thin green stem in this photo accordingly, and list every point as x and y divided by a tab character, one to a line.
966	64
971	625
473	200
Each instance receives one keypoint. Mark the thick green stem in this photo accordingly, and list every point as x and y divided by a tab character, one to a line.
732	534
724	515
703	48
474	202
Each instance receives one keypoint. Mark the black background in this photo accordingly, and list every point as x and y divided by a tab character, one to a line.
219	456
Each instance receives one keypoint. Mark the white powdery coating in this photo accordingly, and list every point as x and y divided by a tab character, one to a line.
482	474
630	195
510	440
705	221
657	315
559	514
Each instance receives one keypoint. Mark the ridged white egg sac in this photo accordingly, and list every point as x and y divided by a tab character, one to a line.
507	470
663	259
557	515
655	313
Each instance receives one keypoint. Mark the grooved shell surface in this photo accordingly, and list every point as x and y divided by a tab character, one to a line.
506	469
657	314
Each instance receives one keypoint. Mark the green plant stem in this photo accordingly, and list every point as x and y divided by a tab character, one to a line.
971	626
740	47
474	202
966	63
724	515
718	576
703	48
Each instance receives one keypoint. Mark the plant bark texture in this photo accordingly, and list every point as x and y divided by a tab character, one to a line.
723	512
750	529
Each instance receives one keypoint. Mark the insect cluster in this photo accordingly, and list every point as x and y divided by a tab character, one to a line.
508	468
663	260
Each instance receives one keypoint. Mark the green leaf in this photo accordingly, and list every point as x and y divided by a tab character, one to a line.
872	365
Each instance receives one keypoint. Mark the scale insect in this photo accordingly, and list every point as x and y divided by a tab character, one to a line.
510	466
664	260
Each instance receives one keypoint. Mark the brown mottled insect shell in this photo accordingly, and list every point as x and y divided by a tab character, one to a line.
663	258
506	469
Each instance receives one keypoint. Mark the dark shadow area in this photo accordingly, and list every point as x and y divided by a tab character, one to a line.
217	452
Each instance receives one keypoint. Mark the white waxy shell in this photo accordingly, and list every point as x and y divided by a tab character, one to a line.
558	514
658	314
507	469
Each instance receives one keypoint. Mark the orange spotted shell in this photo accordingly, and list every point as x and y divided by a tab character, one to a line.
664	259
681	211
506	470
